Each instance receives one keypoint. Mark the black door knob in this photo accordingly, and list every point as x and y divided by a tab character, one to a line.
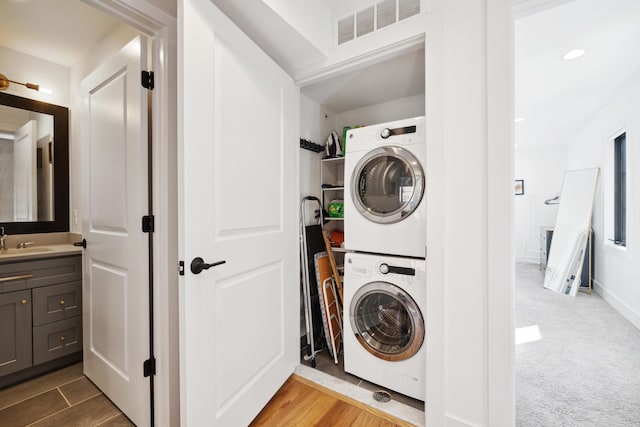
198	264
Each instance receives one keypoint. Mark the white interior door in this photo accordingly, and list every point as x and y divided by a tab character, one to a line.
115	287
25	191
238	130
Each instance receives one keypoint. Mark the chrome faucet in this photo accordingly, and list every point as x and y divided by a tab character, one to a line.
3	239
23	245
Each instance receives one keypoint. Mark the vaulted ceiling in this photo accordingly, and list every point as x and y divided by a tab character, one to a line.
555	97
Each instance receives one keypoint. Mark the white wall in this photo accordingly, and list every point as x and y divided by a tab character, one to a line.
542	170
110	45
616	271
316	123
403	108
26	68
311	18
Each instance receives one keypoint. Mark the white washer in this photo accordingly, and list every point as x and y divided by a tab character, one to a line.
384	206
384	330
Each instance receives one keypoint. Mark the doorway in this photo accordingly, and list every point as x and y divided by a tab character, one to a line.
572	88
121	25
336	104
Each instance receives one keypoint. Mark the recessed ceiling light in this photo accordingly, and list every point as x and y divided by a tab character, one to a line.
573	54
518	120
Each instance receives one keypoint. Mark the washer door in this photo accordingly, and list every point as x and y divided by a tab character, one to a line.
387	321
387	184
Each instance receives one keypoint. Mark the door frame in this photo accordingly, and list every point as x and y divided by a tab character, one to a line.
498	343
161	28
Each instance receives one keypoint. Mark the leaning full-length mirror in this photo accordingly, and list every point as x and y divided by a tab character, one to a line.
34	166
571	233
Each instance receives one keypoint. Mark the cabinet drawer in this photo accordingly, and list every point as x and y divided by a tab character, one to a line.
56	302
57	339
42	272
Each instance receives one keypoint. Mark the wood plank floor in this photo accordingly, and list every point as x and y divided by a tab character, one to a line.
66	398
63	398
300	402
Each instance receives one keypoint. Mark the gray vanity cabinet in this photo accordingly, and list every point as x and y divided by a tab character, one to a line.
15	331
40	313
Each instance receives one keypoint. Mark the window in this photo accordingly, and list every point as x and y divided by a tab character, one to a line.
620	190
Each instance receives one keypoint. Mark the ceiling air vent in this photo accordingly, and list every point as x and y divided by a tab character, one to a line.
386	13
376	17
345	29
408	8
365	22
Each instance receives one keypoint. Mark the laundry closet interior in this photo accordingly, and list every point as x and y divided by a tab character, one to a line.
389	90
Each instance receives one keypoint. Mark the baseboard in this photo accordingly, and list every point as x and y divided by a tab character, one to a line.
619	305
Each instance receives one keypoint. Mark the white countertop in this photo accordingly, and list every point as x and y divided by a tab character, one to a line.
40	251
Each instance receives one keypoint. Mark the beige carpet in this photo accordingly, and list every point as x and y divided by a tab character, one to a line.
585	368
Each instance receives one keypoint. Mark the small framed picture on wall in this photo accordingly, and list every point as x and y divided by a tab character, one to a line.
519	187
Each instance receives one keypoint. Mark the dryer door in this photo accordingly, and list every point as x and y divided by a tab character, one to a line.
387	321
387	184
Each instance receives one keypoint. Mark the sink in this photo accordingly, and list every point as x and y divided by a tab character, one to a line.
20	251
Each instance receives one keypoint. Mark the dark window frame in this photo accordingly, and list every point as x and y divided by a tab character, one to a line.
620	190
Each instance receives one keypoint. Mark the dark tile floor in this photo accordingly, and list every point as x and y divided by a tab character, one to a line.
61	398
325	363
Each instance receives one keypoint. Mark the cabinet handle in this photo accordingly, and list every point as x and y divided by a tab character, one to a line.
61	302
62	338
23	302
21	277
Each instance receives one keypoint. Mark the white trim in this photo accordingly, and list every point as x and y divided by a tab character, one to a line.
141	15
619	305
162	27
435	402
500	217
402	47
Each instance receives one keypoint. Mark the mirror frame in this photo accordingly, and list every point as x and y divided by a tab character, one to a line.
60	115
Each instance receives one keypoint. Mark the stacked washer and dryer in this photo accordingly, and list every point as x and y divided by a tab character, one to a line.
384	277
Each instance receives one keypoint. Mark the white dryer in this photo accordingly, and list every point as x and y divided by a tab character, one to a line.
384	328
384	206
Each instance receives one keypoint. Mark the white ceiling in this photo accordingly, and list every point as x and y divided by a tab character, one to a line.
557	98
395	78
59	31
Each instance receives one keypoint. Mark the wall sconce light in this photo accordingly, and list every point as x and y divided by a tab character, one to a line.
4	83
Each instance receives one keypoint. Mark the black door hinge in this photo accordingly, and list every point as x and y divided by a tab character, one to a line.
147	79
181	268
149	367
148	224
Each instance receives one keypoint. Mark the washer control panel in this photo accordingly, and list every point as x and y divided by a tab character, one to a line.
386	269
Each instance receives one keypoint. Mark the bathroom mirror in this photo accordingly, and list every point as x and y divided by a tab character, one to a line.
34	166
